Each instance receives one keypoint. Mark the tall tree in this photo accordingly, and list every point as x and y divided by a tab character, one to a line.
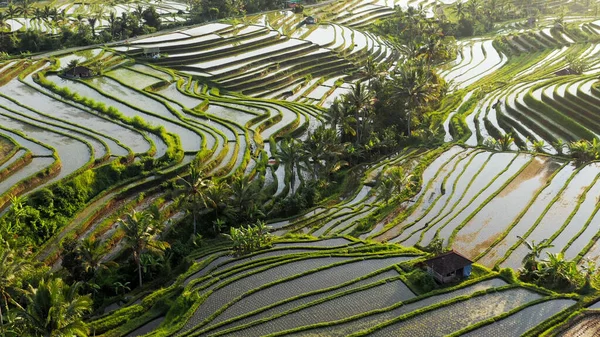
26	10
112	23
360	100
290	154
56	309
216	198
194	186
336	114
92	21
459	9
140	231
323	149
415	86
92	253
245	194
11	11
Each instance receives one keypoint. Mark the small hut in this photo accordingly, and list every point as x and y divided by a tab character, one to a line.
79	72
153	52
292	3
565	72
449	267
310	20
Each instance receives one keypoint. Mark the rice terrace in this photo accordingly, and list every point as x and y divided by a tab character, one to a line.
299	168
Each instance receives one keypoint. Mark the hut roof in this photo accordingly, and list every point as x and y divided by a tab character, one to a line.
448	262
79	71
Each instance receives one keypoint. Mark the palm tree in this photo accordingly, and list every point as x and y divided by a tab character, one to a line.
194	187
3	23
124	23
290	154
138	11
11	11
535	250
112	23
216	197
472	8
92	253
56	309
244	194
414	83
336	114
140	230
38	16
92	21
25	10
12	266
79	21
322	149
459	9
360	100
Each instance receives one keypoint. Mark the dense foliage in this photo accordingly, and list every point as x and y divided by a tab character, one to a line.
143	20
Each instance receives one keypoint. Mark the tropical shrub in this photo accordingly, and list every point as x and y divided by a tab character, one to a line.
248	239
584	151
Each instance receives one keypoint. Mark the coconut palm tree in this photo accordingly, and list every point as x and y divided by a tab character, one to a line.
194	186
92	254
336	114
38	16
12	267
124	23
472	7
140	231
112	23
322	150
414	85
360	100
56	309
290	154
11	11
92	21
3	23
459	9
216	198
245	194
26	10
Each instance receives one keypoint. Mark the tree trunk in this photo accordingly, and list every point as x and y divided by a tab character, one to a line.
140	273
139	266
1	322
357	116
408	123
194	213
293	178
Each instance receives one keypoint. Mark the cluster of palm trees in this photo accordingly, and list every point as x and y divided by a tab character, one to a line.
320	154
32	306
140	20
223	202
490	11
555	272
25	10
142	235
374	117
